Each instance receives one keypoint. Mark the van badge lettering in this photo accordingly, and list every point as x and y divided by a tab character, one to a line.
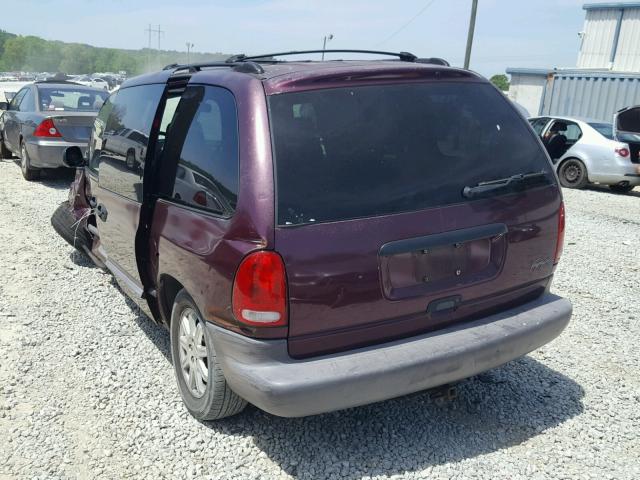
539	263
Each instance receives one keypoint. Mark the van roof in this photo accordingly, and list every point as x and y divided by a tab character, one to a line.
278	76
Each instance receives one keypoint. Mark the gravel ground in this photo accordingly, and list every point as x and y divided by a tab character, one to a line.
88	389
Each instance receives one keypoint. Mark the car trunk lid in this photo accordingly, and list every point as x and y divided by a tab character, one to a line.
75	127
626	124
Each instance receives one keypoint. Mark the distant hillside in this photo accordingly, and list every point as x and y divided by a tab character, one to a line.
34	54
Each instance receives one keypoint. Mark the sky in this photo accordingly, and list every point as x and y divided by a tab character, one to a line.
517	33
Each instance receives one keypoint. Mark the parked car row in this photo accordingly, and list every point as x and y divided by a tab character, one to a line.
321	235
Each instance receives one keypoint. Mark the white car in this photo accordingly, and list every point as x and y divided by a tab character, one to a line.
591	151
92	82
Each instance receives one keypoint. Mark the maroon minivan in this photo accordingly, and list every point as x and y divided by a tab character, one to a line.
322	235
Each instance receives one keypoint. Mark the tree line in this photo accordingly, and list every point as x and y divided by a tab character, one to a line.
34	54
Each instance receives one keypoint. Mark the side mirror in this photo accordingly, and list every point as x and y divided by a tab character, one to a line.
4	105
73	158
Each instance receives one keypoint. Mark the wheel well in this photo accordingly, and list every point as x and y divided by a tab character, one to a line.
167	291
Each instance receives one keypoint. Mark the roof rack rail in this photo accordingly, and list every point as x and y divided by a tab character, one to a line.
403	56
244	67
434	61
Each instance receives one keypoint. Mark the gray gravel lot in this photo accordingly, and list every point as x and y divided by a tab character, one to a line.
87	389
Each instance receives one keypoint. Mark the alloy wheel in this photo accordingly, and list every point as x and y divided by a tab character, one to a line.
193	353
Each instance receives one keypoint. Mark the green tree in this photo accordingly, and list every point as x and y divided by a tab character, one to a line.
501	81
34	54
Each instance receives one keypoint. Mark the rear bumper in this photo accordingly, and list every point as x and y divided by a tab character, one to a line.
262	372
49	153
620	173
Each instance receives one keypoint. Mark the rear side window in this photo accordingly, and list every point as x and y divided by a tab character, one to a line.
207	172
125	139
538	124
356	152
28	103
15	101
573	132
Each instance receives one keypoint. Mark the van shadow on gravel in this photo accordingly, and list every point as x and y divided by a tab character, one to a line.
494	410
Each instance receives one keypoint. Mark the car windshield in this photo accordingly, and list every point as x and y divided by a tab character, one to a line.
604	129
70	99
346	153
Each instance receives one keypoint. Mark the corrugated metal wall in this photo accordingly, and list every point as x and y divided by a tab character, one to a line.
599	30
596	96
628	52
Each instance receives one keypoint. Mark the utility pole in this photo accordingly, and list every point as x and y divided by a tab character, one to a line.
189	47
324	43
160	33
472	27
149	48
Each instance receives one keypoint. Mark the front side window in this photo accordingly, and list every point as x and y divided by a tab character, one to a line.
355	152
207	172
125	139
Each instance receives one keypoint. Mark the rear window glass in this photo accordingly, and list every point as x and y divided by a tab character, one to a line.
356	152
604	129
70	99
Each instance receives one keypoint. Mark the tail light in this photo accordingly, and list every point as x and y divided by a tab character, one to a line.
622	152
260	290
46	129
200	198
561	227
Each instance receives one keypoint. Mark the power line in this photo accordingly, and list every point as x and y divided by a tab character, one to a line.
422	10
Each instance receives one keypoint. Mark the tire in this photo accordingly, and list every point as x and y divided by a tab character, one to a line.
131	160
4	151
621	188
209	397
66	225
573	174
28	172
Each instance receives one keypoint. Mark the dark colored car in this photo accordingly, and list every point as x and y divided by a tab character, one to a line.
379	228
44	119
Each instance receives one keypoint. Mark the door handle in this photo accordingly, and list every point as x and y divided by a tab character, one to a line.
101	210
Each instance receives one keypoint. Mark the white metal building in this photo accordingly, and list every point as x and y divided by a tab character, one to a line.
611	37
527	87
607	76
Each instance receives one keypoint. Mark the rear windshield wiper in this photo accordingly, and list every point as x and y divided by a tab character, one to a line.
513	183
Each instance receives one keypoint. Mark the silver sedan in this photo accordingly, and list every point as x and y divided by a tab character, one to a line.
45	118
591	151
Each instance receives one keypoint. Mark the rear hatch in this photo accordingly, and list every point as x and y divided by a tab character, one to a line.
379	237
75	127
627	129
